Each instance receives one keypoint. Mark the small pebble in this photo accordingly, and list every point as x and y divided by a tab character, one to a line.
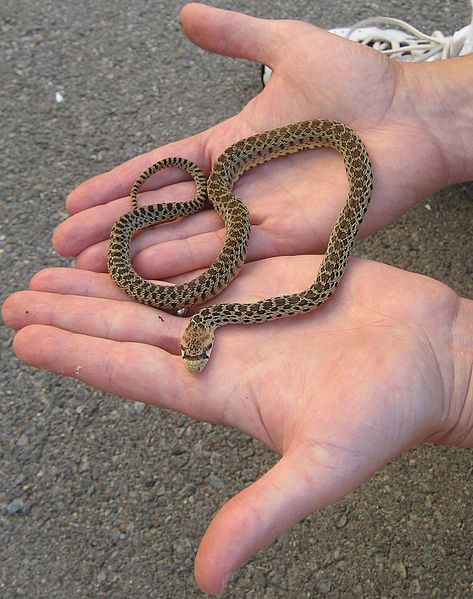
22	440
216	482
401	568
84	465
15	507
101	576
324	586
341	522
117	535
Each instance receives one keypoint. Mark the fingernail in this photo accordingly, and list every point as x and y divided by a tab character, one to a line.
225	580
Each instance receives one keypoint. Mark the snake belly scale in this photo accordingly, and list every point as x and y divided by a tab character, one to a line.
198	337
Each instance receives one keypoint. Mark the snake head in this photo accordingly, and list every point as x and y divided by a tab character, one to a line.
196	346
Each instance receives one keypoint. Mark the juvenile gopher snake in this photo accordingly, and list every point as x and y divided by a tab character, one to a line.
198	337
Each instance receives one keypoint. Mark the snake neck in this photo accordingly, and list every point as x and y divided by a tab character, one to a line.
281	306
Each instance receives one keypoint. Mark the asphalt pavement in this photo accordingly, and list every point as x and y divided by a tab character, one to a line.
104	498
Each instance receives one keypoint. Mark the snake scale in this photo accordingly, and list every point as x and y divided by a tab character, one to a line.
198	337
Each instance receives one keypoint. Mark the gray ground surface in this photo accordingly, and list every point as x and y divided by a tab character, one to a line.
100	498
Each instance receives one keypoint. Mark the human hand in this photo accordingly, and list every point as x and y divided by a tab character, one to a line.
315	75
382	366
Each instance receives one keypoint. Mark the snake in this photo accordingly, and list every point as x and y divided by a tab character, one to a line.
217	190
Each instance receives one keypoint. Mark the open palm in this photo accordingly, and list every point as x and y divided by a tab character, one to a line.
337	392
293	201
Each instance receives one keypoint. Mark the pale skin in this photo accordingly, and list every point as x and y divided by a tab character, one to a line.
384	365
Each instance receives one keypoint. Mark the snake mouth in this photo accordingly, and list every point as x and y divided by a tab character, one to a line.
203	356
195	362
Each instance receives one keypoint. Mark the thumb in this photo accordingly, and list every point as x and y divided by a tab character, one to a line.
231	33
294	488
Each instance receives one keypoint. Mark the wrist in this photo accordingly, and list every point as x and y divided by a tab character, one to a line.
457	428
444	103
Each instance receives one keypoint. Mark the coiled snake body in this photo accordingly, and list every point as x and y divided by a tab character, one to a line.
198	337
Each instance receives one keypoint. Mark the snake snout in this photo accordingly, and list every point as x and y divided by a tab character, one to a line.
196	347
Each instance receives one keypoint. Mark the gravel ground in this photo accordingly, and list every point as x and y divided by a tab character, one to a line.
100	497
